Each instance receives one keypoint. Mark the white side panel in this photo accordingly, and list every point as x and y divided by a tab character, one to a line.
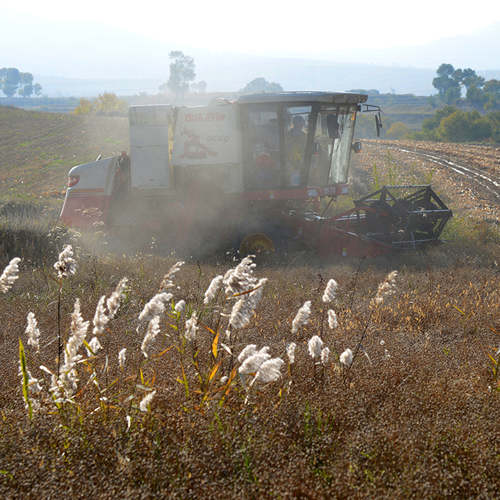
143	135
207	136
94	175
149	148
149	166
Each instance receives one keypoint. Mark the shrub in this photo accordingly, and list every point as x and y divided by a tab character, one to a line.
398	130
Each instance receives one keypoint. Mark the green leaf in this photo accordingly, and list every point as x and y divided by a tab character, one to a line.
24	371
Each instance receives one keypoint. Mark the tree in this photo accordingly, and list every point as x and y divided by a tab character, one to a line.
200	87
25	85
452	95
492	92
476	97
494	119
182	73
12	81
26	91
444	82
260	84
470	79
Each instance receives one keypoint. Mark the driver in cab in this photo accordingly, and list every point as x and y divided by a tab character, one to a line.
296	146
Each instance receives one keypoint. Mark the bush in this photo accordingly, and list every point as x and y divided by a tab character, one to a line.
462	126
398	130
84	107
106	104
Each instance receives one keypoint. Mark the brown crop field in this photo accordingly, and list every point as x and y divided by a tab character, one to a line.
412	411
37	150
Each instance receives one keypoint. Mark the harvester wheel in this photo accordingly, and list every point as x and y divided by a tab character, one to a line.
255	244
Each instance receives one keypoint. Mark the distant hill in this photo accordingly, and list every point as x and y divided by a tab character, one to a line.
292	74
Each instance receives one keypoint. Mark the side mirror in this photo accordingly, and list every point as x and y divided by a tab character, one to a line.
378	123
332	125
356	147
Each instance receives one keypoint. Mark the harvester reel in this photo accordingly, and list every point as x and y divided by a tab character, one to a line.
407	222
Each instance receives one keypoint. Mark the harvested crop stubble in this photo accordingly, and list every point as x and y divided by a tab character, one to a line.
418	413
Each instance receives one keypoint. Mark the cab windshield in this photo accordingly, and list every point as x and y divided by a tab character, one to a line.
331	149
289	146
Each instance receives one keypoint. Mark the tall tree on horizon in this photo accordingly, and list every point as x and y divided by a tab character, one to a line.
182	73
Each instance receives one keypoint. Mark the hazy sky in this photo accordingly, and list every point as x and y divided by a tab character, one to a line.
311	28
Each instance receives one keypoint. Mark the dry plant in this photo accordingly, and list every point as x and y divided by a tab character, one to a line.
209	378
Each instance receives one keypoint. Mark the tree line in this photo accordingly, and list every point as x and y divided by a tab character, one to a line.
13	81
469	112
464	87
107	104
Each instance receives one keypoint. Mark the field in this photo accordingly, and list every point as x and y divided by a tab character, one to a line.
37	150
414	414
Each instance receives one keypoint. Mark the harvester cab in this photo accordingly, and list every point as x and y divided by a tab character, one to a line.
249	173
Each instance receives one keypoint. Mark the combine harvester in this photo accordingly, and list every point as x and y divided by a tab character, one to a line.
257	173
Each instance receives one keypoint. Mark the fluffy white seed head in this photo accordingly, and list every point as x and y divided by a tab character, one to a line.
290	352
386	288
325	355
10	275
330	291
146	401
33	332
122	357
191	327
101	319
244	308
114	300
240	278
240	314
249	350
66	385
167	281
252	363
212	289
155	306
314	346
78	329
332	319
180	306
150	336
346	357
65	264
269	371
302	317
95	345
34	388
